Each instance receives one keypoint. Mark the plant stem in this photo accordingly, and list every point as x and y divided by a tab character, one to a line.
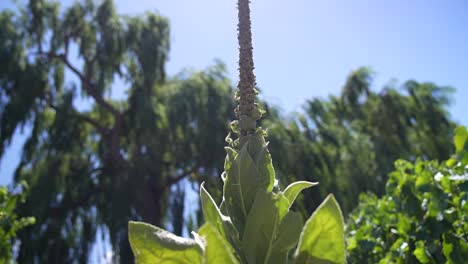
246	111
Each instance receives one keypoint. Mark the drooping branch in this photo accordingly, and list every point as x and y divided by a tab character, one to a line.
176	179
111	135
87	84
247	110
82	201
102	130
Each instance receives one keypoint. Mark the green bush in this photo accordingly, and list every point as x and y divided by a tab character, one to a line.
10	223
422	218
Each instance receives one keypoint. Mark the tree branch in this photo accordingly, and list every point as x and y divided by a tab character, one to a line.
174	180
82	201
85	198
102	130
88	85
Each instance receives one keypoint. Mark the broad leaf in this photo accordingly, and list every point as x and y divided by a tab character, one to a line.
233	194
151	244
322	238
218	250
281	204
292	191
260	229
258	150
210	211
249	176
213	216
242	182
289	232
230	156
287	238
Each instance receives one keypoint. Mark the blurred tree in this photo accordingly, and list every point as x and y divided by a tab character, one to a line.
117	160
349	142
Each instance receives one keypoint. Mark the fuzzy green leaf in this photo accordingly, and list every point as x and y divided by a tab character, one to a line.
243	181
214	216
289	232
322	238
258	150
230	156
270	231
218	250
210	211
249	176
233	195
292	191
260	228
287	238
151	244
281	204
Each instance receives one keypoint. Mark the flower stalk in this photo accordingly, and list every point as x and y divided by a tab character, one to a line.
247	110
253	223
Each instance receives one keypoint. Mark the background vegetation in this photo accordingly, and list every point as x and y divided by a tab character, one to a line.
421	218
134	158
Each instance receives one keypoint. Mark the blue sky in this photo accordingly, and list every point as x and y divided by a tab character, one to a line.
306	48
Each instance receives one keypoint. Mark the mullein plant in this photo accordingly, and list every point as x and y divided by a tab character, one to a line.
253	223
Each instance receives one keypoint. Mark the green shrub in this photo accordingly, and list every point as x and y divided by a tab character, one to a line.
10	223
422	218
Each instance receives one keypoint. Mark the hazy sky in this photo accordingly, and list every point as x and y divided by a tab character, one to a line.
306	48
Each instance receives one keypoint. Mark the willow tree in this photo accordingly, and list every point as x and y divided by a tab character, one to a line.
350	141
253	223
93	162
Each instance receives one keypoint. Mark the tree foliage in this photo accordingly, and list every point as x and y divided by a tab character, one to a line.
349	142
93	161
422	217
10	222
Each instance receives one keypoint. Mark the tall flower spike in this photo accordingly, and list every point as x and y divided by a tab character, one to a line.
247	111
253	224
